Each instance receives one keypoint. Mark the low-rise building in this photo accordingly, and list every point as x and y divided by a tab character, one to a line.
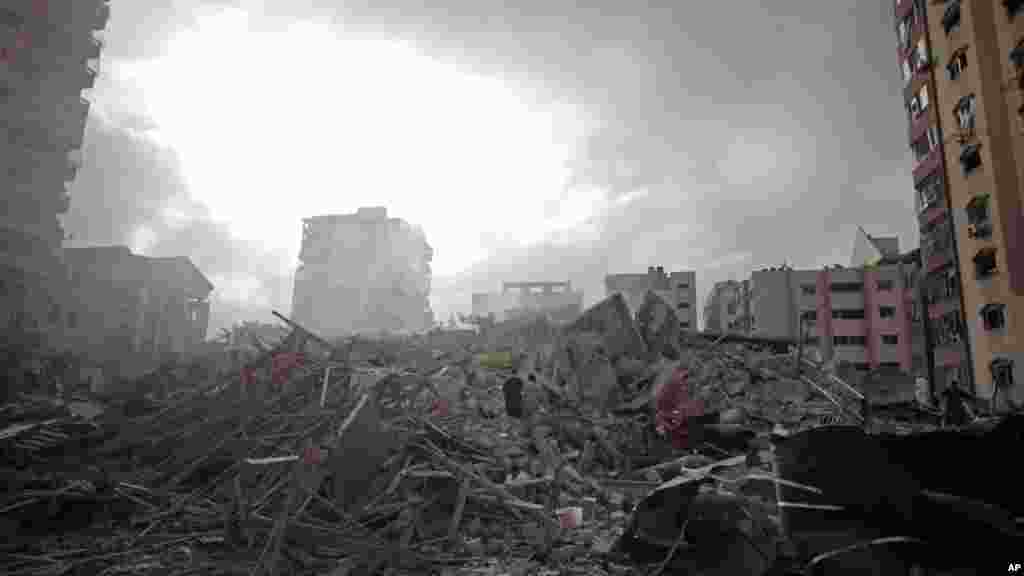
129	313
868	317
556	301
679	289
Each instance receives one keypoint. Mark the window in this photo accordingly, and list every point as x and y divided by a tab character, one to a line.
808	289
979	223
951	16
683	306
809	316
683	286
889	365
921	55
886	311
930	191
1017	56
1013	7
861	366
970	158
848	314
993	316
948	329
915	107
965	112
848	340
934	138
890	339
957	64
884	285
684	324
847	287
1002	373
985	263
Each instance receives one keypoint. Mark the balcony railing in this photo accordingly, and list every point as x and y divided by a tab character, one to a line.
929	165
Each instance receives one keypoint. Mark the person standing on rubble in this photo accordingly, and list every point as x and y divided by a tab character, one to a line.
955	412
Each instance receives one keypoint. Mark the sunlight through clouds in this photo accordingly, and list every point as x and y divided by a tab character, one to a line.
277	122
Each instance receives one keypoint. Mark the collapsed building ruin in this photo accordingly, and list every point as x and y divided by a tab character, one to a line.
363	272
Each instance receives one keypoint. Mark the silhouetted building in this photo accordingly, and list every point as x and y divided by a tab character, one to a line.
362	272
679	289
49	54
129	313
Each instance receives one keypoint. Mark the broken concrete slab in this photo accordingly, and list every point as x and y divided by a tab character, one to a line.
659	327
611	319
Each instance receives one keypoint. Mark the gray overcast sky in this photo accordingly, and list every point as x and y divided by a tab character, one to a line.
717	136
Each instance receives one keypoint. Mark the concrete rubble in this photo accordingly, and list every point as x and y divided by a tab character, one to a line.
633	448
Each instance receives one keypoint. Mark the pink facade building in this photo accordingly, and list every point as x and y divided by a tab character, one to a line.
868	317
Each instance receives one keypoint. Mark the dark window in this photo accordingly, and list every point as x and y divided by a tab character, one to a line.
861	366
957	64
994	316
890	339
886	311
1013	7
683	306
808	289
809	315
985	263
848	314
930	191
951	16
849	340
684	286
884	285
979	217
847	287
970	158
889	365
965	112
684	324
1002	373
1017	55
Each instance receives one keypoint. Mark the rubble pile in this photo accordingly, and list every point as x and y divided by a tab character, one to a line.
613	445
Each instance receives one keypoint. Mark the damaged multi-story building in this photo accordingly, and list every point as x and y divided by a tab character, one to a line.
727	307
963	75
867	315
129	313
49	54
678	289
362	272
556	301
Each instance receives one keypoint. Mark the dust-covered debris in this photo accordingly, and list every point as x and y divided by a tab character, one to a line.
612	446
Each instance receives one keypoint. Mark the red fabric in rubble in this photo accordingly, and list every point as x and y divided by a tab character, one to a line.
674	407
282	365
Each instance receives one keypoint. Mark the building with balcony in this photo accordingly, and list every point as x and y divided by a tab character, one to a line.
927	139
556	301
679	289
49	53
362	272
972	219
727	307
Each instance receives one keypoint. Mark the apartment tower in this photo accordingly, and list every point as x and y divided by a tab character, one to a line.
49	54
963	65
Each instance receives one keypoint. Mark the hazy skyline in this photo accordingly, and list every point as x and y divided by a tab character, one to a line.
540	141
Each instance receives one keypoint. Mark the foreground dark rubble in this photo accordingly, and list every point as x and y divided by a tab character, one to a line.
399	456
